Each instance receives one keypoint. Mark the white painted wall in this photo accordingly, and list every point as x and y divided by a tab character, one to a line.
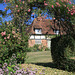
32	37
37	37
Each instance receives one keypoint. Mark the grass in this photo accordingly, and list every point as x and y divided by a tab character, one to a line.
39	57
43	60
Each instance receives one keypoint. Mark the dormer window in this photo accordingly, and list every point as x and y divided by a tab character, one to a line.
38	31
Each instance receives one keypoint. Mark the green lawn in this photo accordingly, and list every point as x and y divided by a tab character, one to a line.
43	60
39	57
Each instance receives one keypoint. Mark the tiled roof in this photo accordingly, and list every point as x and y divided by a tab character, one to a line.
47	26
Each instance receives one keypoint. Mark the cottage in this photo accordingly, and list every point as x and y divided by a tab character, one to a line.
41	31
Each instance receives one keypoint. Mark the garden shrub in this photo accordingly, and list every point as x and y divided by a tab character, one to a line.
11	42
62	50
36	48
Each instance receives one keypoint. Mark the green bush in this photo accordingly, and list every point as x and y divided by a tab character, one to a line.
36	48
11	42
62	49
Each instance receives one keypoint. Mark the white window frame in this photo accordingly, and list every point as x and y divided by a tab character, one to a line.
38	31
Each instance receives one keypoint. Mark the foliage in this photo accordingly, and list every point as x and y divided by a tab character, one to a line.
36	48
12	42
63	12
15	70
62	49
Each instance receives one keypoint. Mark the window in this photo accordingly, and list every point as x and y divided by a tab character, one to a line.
37	41
56	32
38	31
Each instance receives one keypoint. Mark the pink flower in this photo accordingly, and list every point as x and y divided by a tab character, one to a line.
4	37
29	10
67	0
3	33
68	12
71	13
13	32
70	2
23	2
16	6
17	29
3	42
52	6
19	0
54	18
45	4
73	6
67	8
18	10
0	41
14	36
21	7
8	37
5	1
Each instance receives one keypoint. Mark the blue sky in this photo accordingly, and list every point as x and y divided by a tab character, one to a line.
3	5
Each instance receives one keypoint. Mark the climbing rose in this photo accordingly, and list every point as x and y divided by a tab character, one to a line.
29	10
70	2
18	10
52	6
71	13
16	6
45	4
5	1
3	33
23	2
13	32
8	37
4	37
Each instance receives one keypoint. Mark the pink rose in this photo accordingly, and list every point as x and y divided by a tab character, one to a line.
3	33
4	37
23	2
29	10
13	32
71	13
5	1
3	42
16	6
14	36
73	6
45	4
18	10
8	37
52	6
70	2
68	12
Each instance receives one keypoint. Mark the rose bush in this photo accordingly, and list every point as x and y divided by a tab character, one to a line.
12	42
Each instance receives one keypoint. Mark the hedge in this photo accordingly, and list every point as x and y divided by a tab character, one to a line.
62	49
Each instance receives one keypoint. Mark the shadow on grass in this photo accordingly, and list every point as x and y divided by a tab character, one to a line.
50	64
